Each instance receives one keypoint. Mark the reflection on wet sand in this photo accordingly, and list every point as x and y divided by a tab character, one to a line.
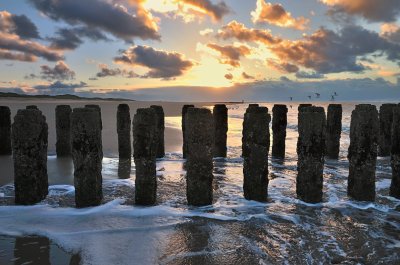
32	250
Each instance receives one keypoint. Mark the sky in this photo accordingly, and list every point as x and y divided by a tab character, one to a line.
202	50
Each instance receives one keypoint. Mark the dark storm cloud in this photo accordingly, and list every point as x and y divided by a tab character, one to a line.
371	10
103	15
327	51
70	39
105	71
162	64
20	25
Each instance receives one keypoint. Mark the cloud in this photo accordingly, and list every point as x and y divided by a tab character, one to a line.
60	71
371	10
59	87
230	54
188	10
240	32
247	76
216	11
283	67
275	14
229	76
327	51
25	50
206	32
71	38
162	64
309	75
19	25
391	32
23	57
102	15
105	71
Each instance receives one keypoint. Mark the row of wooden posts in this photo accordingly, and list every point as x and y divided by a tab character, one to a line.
204	137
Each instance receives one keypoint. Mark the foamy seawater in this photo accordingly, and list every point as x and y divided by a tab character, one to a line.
233	230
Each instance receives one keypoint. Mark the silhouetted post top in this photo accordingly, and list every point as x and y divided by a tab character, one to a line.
302	106
395	154
280	107
123	108
32	107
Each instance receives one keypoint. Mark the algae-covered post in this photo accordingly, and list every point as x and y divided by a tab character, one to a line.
279	124
220	113
333	130
310	152
364	131
30	139
255	148
63	130
160	130
5	131
124	131
87	155
184	111
199	165
144	152
395	154
385	127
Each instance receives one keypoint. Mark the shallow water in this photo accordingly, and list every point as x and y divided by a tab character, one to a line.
231	231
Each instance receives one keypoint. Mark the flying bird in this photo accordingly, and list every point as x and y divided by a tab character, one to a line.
291	98
309	97
317	95
333	98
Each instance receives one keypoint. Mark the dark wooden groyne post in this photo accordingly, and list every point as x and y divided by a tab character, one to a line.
395	154
364	131
5	131
87	155
144	153
310	152
124	131
29	144
220	114
279	124
184	111
385	127
32	107
160	128
63	130
98	109
255	148
333	130
302	106
199	165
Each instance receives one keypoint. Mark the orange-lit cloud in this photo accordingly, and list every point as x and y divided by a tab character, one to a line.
230	54
283	66
275	14
391	32
229	76
373	10
240	32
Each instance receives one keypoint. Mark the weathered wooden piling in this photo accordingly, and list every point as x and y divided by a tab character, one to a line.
184	111
63	130
255	148
220	114
5	131
364	131
144	152
200	144
87	155
124	131
32	107
29	144
279	124
310	152
98	109
333	130
160	128
395	154
302	106
385	127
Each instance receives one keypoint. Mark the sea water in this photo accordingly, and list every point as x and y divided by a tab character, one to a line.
283	230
